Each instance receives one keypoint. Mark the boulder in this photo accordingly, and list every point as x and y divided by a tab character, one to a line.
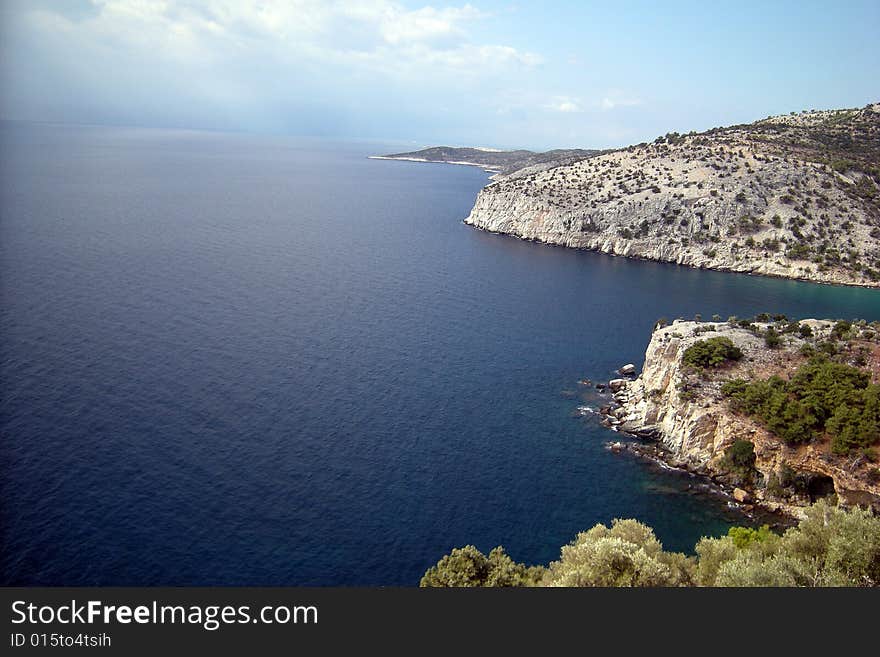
649	432
741	496
616	384
627	370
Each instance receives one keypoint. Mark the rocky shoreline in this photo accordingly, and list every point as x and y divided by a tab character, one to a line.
644	443
678	417
608	406
705	483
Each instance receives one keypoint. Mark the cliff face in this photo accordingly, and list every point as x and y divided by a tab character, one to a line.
797	197
686	412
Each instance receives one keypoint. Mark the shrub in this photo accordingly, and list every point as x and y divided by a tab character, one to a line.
739	458
742	537
626	554
468	567
840	329
830	547
711	352
827	347
771	338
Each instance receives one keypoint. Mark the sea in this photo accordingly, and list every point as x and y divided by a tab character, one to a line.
232	359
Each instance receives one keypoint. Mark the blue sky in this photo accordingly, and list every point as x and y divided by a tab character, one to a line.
502	74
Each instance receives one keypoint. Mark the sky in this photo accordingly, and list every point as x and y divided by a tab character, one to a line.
486	73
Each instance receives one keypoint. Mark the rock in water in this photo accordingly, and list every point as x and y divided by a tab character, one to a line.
616	384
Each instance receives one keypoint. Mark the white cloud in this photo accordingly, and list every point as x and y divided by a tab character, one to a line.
426	25
379	34
565	105
352	65
616	98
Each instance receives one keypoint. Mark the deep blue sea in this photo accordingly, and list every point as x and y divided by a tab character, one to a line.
230	359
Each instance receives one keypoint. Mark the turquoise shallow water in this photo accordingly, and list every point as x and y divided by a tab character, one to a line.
241	360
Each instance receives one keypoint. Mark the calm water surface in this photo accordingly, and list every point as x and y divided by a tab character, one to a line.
245	360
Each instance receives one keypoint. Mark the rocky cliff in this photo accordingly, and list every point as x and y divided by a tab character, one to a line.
793	196
684	410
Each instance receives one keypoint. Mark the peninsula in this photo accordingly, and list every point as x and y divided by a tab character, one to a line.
794	196
492	160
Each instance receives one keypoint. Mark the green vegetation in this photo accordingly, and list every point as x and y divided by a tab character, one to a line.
830	547
740	459
771	338
711	352
468	567
626	554
823	397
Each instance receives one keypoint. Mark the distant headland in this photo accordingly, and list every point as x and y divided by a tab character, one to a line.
793	196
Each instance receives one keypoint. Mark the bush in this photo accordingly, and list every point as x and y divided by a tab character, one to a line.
627	554
468	567
739	458
830	547
741	455
742	537
711	352
840	329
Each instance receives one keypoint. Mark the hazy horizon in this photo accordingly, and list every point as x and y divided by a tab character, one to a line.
491	74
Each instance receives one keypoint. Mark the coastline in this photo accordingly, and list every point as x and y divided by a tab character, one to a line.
632	256
656	455
678	414
485	167
647	445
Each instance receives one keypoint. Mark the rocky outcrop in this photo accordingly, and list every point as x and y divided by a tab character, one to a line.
779	197
685	412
